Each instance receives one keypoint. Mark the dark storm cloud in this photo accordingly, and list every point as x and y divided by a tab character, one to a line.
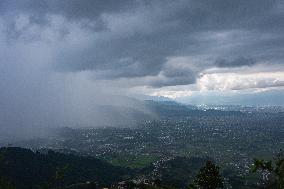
72	9
62	59
241	61
190	78
172	75
130	39
128	57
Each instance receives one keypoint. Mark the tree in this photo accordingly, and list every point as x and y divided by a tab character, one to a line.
272	171
4	183
60	174
208	177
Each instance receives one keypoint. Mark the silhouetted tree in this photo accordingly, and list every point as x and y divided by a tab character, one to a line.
272	171
4	183
59	175
208	177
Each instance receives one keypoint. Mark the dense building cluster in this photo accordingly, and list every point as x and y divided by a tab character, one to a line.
231	138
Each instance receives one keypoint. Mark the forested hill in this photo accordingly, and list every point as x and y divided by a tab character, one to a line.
27	169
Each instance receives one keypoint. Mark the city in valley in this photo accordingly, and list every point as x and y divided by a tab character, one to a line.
141	94
231	136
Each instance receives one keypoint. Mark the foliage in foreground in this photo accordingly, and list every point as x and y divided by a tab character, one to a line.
272	171
31	170
208	177
24	169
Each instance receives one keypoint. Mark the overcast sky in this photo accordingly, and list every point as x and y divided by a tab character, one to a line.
65	55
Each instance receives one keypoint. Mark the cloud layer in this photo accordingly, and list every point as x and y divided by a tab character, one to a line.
136	39
60	61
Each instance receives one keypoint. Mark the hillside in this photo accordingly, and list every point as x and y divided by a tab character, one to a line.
27	169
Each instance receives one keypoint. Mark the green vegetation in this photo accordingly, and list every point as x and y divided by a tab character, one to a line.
30	170
177	172
208	177
132	161
5	184
23	169
272	171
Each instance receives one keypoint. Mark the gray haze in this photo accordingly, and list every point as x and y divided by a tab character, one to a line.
62	61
